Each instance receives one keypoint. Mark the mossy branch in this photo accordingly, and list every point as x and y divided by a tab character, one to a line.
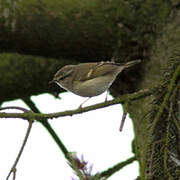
166	98
43	116
163	132
48	127
107	173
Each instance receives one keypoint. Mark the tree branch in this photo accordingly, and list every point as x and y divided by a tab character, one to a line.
13	169
42	116
56	138
48	127
107	173
166	97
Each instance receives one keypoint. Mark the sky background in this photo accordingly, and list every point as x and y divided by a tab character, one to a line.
94	134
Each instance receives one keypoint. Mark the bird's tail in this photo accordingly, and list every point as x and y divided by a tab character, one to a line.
131	63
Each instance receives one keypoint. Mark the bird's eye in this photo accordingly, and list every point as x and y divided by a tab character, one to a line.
64	75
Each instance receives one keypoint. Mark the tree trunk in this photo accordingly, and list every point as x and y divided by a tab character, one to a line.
156	119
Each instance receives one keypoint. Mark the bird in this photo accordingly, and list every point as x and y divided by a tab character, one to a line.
90	79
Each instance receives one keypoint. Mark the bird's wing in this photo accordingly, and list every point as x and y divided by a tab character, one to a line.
93	70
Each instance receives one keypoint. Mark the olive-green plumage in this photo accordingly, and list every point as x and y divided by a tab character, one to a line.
90	79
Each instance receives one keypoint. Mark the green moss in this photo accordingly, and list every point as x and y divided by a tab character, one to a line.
92	29
23	76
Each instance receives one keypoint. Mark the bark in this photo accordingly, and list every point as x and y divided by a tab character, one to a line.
156	120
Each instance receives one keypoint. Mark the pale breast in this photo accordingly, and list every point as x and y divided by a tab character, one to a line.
93	87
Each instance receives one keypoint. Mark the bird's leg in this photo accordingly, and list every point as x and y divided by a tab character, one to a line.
107	93
83	102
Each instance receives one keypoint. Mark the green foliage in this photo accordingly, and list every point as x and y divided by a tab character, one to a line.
164	126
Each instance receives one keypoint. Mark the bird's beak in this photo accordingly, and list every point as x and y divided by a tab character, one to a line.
53	81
